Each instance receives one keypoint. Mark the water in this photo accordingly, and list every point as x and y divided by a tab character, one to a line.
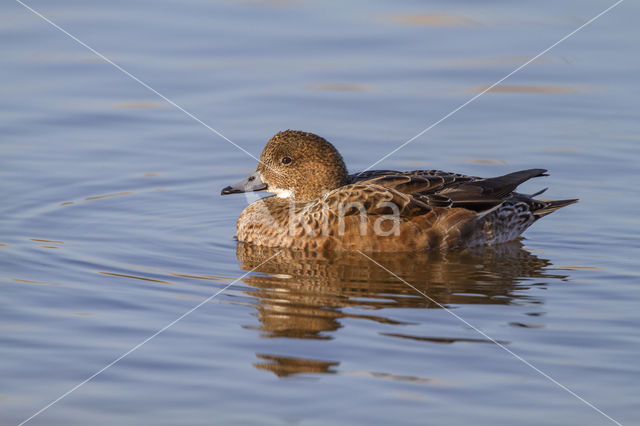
112	226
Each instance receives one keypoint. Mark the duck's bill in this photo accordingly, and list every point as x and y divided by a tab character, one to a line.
252	183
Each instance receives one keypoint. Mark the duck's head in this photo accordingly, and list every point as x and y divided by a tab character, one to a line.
295	164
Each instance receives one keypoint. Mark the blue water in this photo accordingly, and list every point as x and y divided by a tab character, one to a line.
112	226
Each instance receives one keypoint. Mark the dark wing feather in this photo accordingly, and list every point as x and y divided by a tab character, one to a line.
436	188
359	177
483	194
415	182
370	174
491	188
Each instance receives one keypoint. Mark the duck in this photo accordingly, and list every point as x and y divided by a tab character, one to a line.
318	206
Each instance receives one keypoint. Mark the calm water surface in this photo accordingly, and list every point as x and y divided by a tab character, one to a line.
112	226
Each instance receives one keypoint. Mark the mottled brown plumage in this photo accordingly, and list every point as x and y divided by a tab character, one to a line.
320	207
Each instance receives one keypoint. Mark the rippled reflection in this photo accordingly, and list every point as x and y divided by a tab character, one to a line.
303	295
283	366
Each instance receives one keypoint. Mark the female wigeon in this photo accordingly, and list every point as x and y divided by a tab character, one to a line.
319	206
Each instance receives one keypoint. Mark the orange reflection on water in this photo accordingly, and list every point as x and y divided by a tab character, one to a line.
306	295
283	366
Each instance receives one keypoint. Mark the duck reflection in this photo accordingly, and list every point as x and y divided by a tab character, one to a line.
304	294
283	366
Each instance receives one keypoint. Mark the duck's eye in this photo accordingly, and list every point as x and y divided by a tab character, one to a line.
286	160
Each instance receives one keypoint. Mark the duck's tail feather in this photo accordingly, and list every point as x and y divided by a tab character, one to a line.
495	188
538	193
551	206
501	186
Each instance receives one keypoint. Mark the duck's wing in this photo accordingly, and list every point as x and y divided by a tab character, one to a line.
373	174
495	188
436	187
372	200
423	186
416	182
